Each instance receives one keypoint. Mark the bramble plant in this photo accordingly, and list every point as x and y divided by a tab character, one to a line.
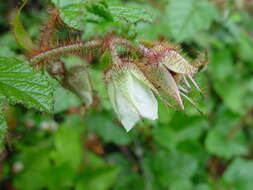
135	72
75	75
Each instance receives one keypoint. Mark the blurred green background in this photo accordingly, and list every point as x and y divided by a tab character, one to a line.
78	149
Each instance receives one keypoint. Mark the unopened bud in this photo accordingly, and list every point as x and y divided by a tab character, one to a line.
166	85
173	61
78	81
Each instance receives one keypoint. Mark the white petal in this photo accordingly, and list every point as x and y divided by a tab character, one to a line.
143	98
127	114
124	110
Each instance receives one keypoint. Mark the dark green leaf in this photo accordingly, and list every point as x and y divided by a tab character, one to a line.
19	83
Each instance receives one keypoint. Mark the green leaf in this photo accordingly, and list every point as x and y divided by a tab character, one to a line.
221	64
54	158
239	174
20	33
179	129
19	83
132	15
203	187
233	96
107	130
67	143
63	3
37	162
64	99
131	180
100	9
181	185
225	139
188	17
74	15
35	168
226	75
173	166
101	178
79	15
3	125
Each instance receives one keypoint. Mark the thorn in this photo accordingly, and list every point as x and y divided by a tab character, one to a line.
183	89
186	82
194	83
176	93
192	102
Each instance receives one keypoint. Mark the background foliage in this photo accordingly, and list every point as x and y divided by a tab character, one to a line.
74	148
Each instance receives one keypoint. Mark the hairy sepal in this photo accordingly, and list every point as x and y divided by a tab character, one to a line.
169	55
165	84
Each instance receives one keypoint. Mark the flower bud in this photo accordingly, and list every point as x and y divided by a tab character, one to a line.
78	81
166	85
131	94
173	61
166	69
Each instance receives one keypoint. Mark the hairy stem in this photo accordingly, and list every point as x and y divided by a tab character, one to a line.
139	48
64	50
114	53
144	51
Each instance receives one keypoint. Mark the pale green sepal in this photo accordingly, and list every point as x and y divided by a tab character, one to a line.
165	84
176	63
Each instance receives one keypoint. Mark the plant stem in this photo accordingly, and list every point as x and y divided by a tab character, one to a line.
64	49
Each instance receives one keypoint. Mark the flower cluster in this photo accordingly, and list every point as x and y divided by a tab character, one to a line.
133	85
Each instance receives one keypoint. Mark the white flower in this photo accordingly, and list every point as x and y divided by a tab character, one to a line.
131	95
